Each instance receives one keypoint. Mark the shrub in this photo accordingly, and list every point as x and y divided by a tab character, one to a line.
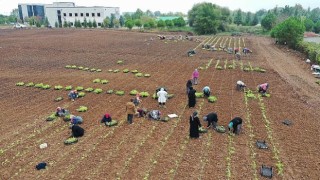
104	81
98	91
82	109
125	70
89	89
110	91
59	87
81	94
134	71
212	99
68	88
19	83
120	93
199	94
144	94
79	88
96	81
30	84
39	85
133	92
46	86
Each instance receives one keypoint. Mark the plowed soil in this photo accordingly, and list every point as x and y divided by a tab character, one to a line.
153	149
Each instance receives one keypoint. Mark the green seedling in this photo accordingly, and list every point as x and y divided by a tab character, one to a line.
199	95
104	81
19	83
212	99
133	92
46	86
144	94
59	87
98	91
110	91
147	75
81	94
96	81
30	84
125	70
98	70
79	88
82	109
138	74
67	88
89	89
120	93
58	99
134	71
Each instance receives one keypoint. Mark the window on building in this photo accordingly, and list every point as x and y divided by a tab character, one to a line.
99	24
81	14
70	14
92	14
64	14
76	14
98	14
87	14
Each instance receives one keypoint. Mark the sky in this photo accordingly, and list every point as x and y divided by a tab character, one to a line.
165	6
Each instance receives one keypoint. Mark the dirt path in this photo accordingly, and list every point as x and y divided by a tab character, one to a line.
290	69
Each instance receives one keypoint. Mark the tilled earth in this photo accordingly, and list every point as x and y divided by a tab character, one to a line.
151	149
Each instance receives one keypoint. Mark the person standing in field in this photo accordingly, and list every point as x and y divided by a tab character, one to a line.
194	125
195	76
192	97
131	110
188	85
162	97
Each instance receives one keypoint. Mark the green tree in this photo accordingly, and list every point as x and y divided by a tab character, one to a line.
308	23
290	31
106	22
161	24
205	18
121	21
69	24
129	24
137	14
255	20
111	25
90	24
38	23
65	24
56	25
268	22
46	22
248	19
317	27
79	24
94	24
152	23
138	23
169	23
85	23
238	17
146	25
179	22
102	25
116	23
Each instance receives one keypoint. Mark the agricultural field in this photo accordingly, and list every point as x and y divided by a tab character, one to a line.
96	59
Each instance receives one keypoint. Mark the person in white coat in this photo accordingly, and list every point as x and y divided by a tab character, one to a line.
240	85
162	97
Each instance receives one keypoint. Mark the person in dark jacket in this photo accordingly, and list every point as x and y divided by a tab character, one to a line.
61	112
192	97
194	125
75	119
106	118
73	95
235	125
77	131
206	91
188	85
212	119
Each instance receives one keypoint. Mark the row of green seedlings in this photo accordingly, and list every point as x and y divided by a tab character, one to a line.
87	153
83	68
163	142
275	150
53	116
251	142
183	145
231	150
17	142
135	72
249	68
209	41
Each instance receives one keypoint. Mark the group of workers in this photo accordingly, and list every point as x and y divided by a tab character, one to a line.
76	130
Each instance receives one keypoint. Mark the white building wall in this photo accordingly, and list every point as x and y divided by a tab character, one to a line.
70	14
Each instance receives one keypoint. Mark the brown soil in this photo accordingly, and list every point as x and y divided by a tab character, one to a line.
150	149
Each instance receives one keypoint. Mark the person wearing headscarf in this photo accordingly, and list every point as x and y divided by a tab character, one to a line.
212	119
137	100
188	85
61	112
75	120
195	76
235	125
73	95
162	97
131	110
106	118
192	97
262	88
77	131
240	85
194	125
206	91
